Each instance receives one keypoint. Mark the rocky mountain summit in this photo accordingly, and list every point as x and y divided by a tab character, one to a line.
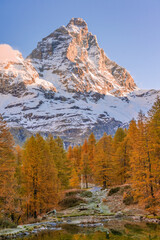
71	56
69	87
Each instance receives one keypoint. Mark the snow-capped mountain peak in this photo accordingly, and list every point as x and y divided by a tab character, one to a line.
76	25
72	60
69	87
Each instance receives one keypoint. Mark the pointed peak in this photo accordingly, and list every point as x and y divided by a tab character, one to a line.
78	22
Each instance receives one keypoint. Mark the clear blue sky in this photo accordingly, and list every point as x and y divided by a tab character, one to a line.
127	30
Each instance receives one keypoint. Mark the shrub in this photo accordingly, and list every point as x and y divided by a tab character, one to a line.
113	191
128	199
86	194
125	188
71	201
116	232
7	224
82	193
73	192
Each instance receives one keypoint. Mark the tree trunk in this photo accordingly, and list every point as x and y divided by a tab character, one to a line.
104	184
81	181
86	181
150	176
35	214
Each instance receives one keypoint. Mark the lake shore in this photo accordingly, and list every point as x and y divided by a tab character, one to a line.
94	212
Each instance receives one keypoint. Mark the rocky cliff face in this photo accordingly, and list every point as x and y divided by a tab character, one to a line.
18	75
68	87
72	56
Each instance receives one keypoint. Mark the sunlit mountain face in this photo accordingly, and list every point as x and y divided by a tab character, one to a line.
69	87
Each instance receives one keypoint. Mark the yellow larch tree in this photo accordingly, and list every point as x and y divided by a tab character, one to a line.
120	156
8	186
103	167
85	167
39	177
91	151
60	159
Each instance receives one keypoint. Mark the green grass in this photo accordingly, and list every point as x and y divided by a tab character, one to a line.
89	214
153	217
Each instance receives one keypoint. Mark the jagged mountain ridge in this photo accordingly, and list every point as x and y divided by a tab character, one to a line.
17	76
67	86
71	56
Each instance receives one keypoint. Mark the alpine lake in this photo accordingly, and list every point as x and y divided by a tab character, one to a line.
115	230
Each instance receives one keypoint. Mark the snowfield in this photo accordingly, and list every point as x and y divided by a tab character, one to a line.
69	87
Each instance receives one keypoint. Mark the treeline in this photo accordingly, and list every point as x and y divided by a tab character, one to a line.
33	177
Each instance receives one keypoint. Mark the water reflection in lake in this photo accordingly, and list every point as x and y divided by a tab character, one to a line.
119	231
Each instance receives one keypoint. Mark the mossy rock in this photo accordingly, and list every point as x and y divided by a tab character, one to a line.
29	228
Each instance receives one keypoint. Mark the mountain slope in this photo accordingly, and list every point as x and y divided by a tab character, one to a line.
81	89
17	75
